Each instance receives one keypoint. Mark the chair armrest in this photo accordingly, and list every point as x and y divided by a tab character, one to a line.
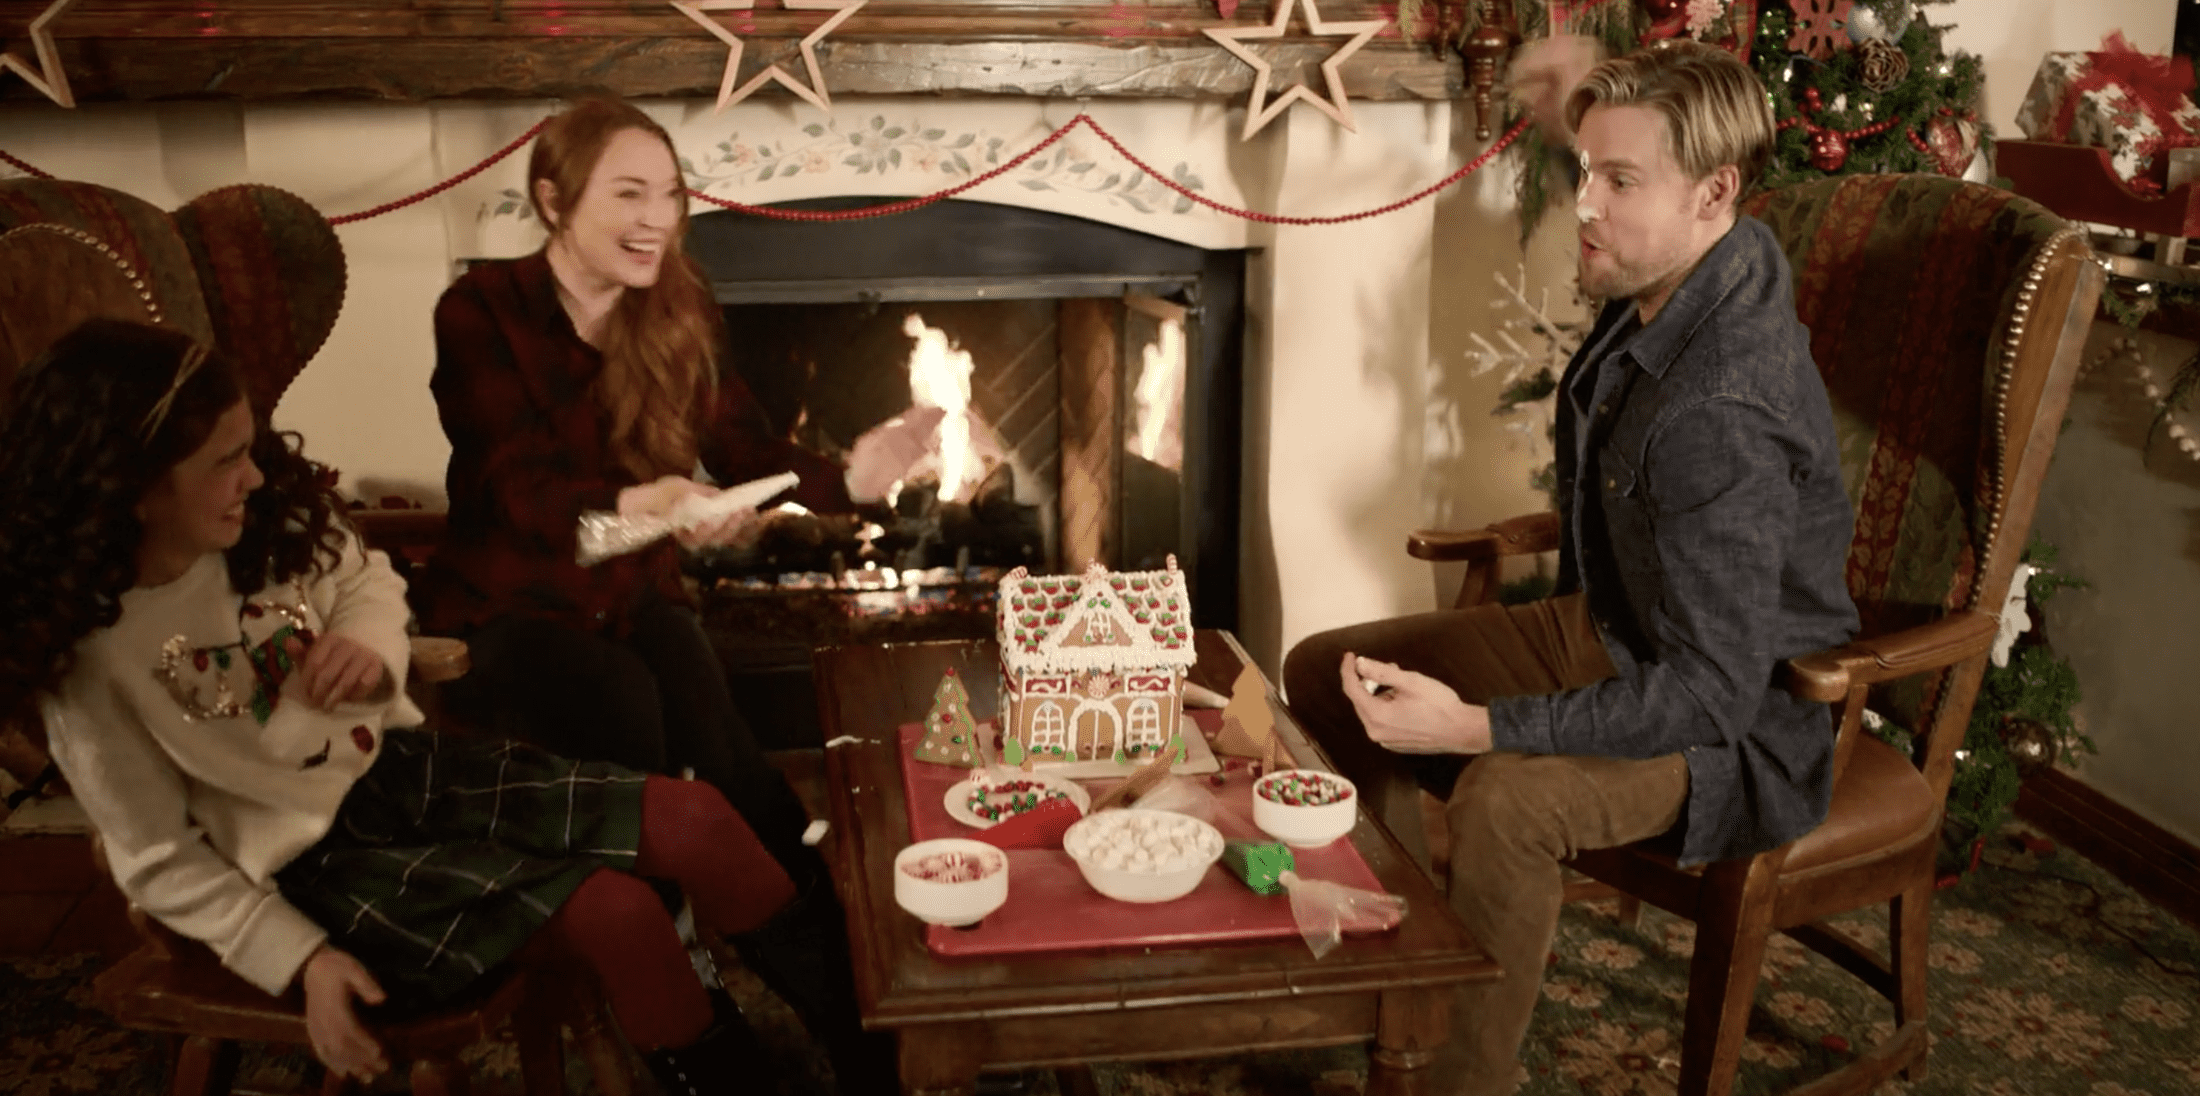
396	530
437	659
1523	535
1828	675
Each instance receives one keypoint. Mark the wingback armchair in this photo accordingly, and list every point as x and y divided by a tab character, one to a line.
1947	320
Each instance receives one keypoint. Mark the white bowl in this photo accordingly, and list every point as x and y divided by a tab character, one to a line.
952	903
1304	826
1086	840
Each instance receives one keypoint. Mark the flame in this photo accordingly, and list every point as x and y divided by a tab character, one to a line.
1160	397
939	376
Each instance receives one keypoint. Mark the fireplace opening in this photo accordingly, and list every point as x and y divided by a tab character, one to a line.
1088	379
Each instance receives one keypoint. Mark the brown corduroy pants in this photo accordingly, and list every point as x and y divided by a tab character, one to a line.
1513	817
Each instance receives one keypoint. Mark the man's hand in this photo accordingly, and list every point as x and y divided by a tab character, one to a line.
1545	72
336	669
1413	713
343	1044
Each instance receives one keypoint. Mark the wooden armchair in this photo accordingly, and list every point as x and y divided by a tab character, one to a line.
1947	320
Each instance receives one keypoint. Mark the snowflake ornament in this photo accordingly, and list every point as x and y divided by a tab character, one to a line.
1703	16
1821	27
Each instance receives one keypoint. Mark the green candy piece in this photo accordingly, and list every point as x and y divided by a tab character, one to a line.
1257	864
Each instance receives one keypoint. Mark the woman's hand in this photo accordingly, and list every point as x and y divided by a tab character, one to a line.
337	669
886	452
656	499
1413	713
1545	72
343	1044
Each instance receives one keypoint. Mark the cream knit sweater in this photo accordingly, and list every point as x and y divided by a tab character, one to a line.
201	778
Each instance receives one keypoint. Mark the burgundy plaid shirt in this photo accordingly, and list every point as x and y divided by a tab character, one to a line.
528	454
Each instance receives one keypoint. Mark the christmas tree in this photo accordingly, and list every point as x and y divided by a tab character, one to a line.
1855	85
1864	86
950	735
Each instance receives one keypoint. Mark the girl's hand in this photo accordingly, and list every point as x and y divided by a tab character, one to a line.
343	1044
337	669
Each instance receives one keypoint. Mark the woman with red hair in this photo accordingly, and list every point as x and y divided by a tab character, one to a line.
590	376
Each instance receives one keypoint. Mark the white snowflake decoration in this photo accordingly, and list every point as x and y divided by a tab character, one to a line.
1704	15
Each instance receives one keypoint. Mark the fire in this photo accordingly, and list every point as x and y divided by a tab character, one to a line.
1160	398
939	376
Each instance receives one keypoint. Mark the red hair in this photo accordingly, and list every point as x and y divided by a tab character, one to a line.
660	344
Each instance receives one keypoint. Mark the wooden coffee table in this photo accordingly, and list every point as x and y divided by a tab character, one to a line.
954	1017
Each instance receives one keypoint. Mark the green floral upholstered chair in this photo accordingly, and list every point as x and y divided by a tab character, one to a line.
1947	320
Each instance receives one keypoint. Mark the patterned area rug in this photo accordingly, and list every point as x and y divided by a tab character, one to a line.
2048	977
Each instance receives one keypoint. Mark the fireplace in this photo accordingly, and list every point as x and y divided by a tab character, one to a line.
1089	377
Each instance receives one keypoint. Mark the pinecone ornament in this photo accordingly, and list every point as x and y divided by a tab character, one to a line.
1883	64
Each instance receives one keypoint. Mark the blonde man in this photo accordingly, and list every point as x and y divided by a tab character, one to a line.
1704	531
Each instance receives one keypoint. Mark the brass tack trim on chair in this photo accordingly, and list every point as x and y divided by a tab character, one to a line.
137	280
2005	373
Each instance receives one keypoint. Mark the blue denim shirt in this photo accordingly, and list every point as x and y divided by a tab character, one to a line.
1704	521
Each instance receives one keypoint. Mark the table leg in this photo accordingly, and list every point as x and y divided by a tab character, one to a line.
1411	1026
941	1059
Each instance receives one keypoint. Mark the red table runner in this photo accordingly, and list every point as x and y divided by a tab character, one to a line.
1050	907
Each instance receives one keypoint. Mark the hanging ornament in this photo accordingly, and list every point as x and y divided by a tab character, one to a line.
1880	22
2030	743
1828	151
1821	27
1882	64
1259	108
1953	143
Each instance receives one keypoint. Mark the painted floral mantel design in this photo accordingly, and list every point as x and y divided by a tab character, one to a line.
877	147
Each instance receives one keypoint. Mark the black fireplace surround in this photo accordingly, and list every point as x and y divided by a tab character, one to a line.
947	255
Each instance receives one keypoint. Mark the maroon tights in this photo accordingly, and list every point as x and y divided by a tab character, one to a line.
616	925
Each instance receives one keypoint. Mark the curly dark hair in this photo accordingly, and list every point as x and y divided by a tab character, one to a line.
74	464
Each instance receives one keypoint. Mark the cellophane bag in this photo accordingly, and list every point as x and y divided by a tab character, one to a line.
1326	911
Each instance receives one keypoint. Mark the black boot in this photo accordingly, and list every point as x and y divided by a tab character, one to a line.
802	955
724	1061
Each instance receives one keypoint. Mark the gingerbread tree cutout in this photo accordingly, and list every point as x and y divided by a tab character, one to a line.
950	735
1248	724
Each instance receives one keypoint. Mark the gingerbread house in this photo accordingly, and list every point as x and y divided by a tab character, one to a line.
1092	665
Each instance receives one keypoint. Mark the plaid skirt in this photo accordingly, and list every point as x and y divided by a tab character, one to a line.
452	850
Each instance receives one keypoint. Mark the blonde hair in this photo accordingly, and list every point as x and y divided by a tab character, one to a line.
1715	111
660	344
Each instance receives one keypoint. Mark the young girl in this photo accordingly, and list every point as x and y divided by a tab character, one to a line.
220	668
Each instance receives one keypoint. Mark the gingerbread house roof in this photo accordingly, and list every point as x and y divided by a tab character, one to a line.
1042	617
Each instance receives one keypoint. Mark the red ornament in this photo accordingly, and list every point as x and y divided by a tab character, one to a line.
1821	27
1828	150
1661	10
1812	100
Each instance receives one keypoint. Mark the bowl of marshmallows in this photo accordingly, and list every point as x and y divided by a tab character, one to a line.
1136	855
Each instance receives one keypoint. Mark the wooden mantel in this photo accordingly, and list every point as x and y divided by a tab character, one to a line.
411	50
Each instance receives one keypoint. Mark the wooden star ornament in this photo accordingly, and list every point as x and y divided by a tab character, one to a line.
1259	110
815	92
51	80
